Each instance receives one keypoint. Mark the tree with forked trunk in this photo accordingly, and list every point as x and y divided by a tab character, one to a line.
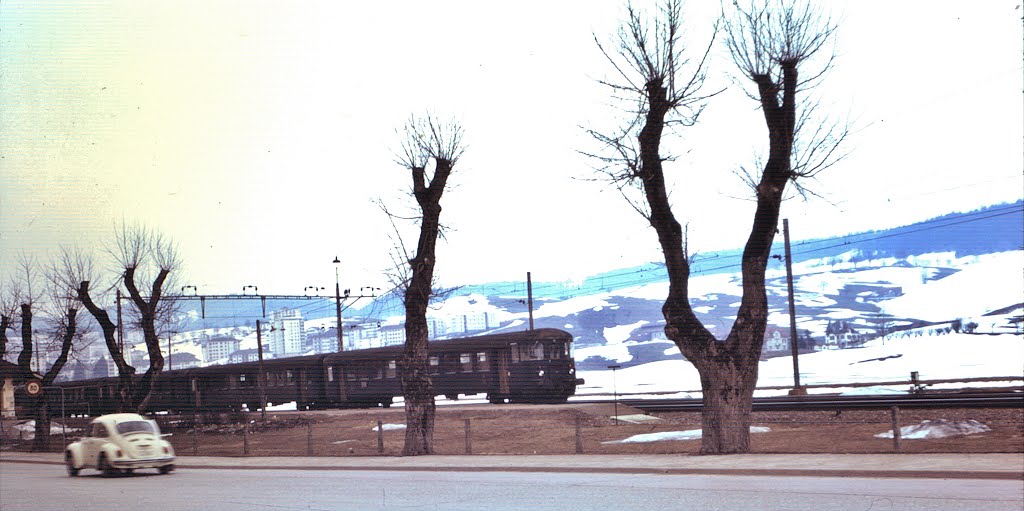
37	291
148	262
655	73
425	140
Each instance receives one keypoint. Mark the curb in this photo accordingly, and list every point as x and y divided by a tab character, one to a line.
887	474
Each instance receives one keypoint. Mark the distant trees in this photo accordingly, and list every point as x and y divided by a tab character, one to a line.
425	140
663	83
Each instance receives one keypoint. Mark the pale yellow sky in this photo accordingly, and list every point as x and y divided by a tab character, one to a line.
256	134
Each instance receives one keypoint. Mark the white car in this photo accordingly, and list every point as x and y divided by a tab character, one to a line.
119	443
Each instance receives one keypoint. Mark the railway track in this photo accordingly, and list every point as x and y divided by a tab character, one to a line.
811	403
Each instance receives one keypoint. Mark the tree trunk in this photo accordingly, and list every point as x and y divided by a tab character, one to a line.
125	372
728	395
416	385
41	442
25	357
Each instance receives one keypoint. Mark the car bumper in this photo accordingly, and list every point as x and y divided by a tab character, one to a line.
143	463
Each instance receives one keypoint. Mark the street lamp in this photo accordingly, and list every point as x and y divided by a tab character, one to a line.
615	390
254	289
337	301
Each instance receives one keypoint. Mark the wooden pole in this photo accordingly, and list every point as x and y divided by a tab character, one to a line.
380	437
469	437
897	434
529	297
309	439
793	344
245	439
260	377
579	436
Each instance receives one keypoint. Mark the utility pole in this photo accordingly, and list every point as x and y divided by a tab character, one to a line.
529	297
120	326
797	389
260	377
337	303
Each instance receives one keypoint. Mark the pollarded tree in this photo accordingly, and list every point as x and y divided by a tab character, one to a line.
48	317
426	140
665	84
148	262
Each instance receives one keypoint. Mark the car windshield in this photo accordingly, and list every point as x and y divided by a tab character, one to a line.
127	428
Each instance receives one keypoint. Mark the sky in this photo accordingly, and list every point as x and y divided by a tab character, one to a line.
260	135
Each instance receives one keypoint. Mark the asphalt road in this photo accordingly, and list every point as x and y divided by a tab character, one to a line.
47	487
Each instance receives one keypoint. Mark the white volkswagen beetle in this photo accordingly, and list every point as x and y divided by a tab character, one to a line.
120	442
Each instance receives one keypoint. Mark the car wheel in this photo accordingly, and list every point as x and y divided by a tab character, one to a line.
166	469
104	466
69	462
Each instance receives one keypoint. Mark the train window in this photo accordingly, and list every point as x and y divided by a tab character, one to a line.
556	350
466	361
378	373
481	362
392	369
533	351
435	365
330	373
350	375
515	352
449	364
290	377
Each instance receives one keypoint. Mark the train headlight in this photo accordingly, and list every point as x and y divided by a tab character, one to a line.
541	373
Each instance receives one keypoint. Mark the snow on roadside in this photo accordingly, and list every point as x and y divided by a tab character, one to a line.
690	434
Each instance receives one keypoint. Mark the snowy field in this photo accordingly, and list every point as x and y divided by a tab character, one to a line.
937	357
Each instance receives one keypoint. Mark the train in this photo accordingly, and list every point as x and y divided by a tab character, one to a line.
533	366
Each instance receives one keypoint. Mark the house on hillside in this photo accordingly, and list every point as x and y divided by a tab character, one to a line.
775	341
840	334
249	355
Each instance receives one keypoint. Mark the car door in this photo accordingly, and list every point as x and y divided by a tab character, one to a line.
94	443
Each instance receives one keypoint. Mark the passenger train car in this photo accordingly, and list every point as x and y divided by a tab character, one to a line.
534	366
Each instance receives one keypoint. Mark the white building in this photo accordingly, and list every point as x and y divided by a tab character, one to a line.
361	336
287	334
774	341
217	348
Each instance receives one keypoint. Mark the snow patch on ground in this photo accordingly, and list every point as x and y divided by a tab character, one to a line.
390	427
690	434
940	428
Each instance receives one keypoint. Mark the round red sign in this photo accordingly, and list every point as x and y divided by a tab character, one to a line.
33	387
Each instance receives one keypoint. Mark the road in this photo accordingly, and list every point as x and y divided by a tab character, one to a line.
32	487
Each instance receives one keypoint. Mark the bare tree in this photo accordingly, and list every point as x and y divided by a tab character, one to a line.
425	139
147	262
653	69
48	317
77	269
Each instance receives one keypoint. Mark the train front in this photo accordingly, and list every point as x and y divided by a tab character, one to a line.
542	369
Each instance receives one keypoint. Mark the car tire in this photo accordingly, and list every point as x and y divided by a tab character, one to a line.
104	466
166	469
69	462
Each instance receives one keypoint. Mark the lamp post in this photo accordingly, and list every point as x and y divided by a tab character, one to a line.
615	390
337	301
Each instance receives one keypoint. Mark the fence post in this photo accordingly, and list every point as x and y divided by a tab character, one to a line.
245	439
195	440
897	434
469	438
579	436
380	437
309	439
